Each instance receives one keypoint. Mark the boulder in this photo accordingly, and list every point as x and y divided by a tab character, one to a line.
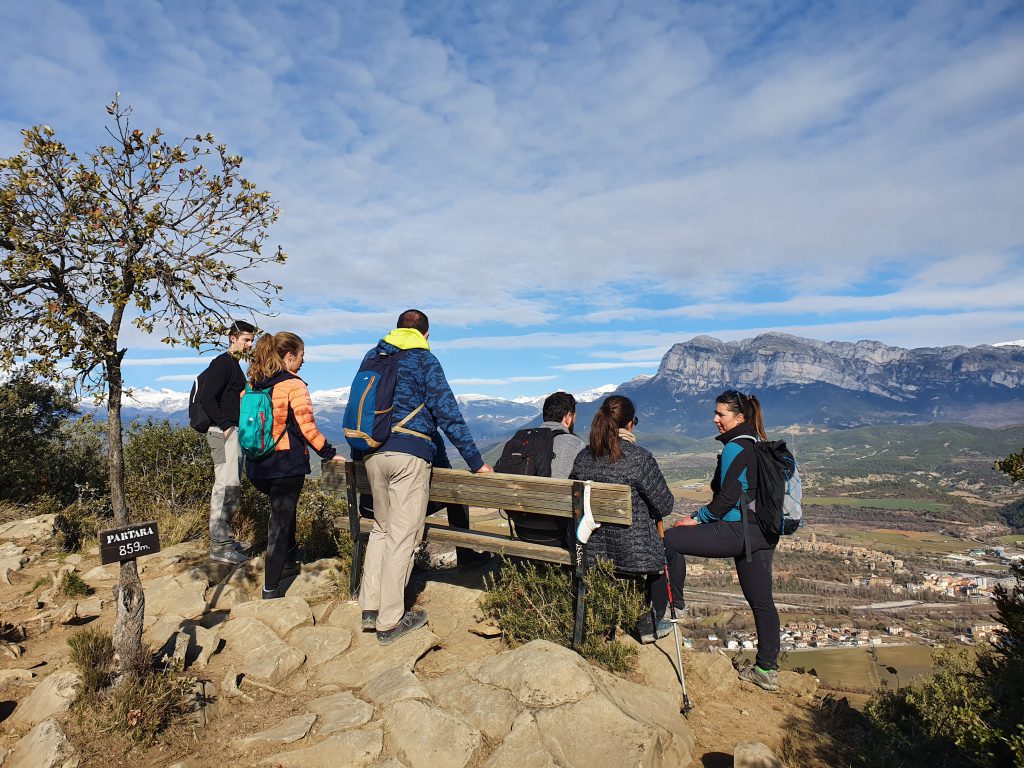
593	731
33	529
340	712
263	655
158	634
710	674
45	746
51	697
224	598
538	674
320	644
362	664
285	732
15	675
521	748
281	615
492	711
394	685
352	749
425	736
754	754
317	579
100	573
797	683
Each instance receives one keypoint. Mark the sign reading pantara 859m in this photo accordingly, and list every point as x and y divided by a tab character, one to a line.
128	543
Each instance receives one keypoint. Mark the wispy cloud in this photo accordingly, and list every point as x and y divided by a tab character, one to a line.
650	364
553	182
497	382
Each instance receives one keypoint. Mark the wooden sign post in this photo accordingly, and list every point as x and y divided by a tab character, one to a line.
128	543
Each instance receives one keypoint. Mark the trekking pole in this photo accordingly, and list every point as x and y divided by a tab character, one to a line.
685	710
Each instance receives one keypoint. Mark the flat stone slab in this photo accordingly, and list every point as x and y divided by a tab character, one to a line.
340	712
285	732
262	654
360	665
320	644
425	736
15	676
538	674
521	748
394	685
492	711
45	746
352	749
100	573
281	615
51	697
182	595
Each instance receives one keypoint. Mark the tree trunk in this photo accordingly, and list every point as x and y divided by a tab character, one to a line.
128	594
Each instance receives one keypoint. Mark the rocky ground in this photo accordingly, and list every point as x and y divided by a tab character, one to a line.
295	682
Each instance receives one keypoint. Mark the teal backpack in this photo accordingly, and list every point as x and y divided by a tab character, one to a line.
256	424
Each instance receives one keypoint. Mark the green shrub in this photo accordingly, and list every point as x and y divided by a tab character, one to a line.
167	467
80	520
71	585
92	653
315	529
532	601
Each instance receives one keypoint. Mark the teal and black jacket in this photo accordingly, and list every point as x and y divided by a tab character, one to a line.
735	474
423	402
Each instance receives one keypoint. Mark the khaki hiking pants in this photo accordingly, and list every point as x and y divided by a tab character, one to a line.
401	487
227	485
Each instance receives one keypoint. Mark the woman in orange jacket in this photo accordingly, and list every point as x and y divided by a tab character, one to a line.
276	360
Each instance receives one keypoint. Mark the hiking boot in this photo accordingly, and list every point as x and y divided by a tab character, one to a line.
763	678
228	555
411	621
663	629
241	546
369	621
272	594
290	569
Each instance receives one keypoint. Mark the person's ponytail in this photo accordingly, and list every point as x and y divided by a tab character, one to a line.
754	416
264	360
615	413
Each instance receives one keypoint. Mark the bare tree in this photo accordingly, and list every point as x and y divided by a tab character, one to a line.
159	235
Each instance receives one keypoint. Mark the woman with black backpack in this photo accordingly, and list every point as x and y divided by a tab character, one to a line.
719	530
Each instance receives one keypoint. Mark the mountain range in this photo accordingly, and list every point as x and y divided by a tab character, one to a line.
831	384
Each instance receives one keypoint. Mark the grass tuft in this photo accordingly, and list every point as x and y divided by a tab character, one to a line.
92	653
71	585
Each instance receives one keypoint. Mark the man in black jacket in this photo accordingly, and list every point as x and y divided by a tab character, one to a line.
220	396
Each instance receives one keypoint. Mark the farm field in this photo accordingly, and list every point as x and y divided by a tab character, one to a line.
911	505
911	542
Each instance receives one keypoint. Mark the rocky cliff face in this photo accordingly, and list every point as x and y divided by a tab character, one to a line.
840	384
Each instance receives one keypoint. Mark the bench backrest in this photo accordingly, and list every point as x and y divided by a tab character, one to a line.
610	503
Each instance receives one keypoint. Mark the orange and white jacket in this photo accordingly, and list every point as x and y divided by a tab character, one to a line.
293	415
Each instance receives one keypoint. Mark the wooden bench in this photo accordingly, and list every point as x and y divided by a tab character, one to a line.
610	505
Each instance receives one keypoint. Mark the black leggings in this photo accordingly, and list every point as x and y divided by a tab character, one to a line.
284	499
724	539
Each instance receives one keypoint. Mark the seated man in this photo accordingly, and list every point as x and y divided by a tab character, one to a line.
546	451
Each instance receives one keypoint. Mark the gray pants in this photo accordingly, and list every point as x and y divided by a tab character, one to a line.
227	487
401	488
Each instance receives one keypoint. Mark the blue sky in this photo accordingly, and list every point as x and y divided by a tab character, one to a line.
568	189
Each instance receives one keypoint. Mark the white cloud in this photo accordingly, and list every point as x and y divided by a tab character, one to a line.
472	382
178	377
651	364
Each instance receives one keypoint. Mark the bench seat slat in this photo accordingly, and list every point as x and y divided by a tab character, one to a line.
541	495
486	541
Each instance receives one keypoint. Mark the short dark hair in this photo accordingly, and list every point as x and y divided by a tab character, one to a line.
240	326
413	318
557	405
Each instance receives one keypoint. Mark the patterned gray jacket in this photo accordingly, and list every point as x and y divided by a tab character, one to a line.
638	548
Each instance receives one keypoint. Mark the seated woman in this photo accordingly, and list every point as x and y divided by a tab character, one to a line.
637	551
717	530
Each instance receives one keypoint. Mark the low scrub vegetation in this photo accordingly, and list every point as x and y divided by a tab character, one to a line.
72	585
141	707
533	601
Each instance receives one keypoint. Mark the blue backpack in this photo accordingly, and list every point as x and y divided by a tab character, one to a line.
367	422
256	424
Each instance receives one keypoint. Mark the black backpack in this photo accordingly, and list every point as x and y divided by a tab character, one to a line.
779	490
530	452
197	417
